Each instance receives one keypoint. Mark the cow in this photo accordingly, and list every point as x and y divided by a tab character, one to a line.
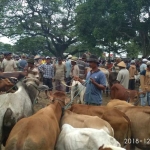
84	138
115	102
118	120
85	121
78	89
140	129
119	92
15	106
39	131
5	85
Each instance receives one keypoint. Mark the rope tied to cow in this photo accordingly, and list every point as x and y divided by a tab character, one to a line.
80	90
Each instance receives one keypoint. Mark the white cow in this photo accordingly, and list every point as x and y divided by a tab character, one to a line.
85	139
14	106
77	89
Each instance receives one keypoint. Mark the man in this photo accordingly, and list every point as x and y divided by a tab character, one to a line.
60	71
31	69
95	83
123	75
22	63
115	67
145	85
47	70
82	67
75	69
68	70
143	65
132	72
8	64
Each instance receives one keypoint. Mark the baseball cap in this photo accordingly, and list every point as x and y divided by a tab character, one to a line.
47	57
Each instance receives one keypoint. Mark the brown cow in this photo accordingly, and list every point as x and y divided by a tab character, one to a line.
40	131
119	92
119	121
115	102
5	85
140	125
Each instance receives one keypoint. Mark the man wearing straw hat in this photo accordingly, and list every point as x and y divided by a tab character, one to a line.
95	82
123	75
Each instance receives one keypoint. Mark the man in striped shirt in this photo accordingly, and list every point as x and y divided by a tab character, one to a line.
48	73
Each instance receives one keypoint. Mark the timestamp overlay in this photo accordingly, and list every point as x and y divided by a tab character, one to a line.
137	141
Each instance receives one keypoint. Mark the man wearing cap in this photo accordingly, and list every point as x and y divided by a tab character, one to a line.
82	66
132	72
60	71
123	75
143	65
68	70
75	69
95	83
8	64
145	85
48	73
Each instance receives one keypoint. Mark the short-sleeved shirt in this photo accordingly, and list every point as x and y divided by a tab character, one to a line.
68	68
93	93
123	78
75	71
22	64
82	67
143	67
60	71
8	65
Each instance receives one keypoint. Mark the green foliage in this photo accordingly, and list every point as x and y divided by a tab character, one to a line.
132	50
31	45
6	47
51	19
103	22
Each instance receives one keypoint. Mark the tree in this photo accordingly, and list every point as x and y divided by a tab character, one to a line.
31	45
106	22
51	19
6	47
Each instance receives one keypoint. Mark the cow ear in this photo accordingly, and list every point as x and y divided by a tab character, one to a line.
51	96
67	100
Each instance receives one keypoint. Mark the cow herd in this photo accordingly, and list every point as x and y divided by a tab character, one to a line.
118	126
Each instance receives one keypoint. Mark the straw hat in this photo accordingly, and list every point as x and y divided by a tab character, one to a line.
37	57
69	57
74	59
121	64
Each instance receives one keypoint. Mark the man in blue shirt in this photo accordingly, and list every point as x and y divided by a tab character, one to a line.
95	83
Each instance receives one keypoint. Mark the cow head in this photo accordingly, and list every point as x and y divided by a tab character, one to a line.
133	97
60	96
5	84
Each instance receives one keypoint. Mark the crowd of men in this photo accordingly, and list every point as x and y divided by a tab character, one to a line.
49	70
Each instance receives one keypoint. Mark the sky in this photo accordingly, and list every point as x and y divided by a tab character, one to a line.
6	40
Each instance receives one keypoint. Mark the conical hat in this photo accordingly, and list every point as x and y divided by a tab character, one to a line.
121	64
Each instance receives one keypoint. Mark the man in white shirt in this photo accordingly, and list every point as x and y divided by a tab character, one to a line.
8	64
123	75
